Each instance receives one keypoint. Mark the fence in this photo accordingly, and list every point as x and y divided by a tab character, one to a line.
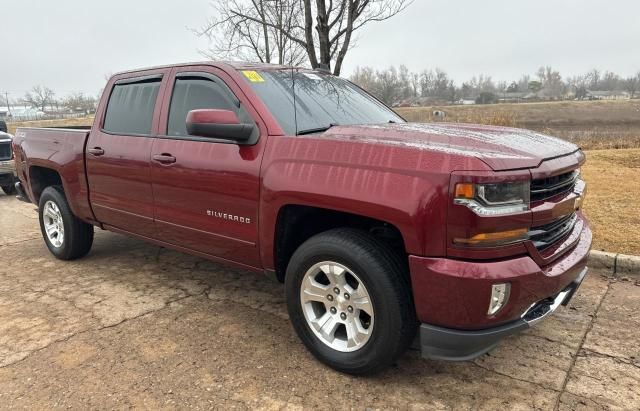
17	117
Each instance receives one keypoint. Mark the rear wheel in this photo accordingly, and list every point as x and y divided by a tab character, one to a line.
66	236
8	190
350	302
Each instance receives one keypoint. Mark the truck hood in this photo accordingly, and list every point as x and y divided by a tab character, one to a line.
501	148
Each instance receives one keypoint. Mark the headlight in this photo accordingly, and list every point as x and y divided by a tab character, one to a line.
495	198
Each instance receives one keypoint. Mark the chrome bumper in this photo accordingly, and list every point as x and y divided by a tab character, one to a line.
539	310
8	166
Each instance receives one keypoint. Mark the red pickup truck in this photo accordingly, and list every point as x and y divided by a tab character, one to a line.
379	228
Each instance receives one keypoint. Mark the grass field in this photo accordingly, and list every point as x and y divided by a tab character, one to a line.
610	203
590	124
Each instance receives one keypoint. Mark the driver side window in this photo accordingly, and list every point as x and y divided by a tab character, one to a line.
193	93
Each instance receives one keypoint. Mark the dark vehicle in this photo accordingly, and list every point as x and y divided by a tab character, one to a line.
7	166
379	229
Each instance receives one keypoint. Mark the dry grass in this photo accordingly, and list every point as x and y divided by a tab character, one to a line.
561	113
81	121
593	125
611	201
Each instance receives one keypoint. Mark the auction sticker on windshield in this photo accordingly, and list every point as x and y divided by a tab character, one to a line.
253	76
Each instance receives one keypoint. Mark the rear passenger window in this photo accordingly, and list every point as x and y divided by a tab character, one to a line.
130	108
193	93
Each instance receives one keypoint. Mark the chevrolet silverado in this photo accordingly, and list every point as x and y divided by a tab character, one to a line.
383	232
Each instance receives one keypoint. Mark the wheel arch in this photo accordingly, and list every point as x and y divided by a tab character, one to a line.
297	223
41	177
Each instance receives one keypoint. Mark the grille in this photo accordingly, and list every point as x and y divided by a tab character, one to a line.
5	150
544	188
546	235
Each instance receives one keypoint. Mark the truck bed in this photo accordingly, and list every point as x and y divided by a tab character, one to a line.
59	149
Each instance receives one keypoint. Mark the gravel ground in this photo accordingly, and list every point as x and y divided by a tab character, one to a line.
134	325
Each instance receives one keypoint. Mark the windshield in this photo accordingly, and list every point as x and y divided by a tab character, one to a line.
321	101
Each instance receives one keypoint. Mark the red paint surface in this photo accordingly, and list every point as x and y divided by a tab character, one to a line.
209	116
398	173
455	293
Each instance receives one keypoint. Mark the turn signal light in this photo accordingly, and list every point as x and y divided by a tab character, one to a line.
498	238
464	190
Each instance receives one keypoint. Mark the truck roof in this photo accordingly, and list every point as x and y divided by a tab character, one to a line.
237	65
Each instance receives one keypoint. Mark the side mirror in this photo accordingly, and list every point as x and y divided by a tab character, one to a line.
3	126
222	124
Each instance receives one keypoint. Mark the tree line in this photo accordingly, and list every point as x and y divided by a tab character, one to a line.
44	99
397	85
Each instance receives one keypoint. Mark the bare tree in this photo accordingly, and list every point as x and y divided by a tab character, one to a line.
388	85
426	83
523	83
366	78
632	85
40	97
404	79
414	79
552	85
323	29
254	29
593	79
610	81
80	102
579	85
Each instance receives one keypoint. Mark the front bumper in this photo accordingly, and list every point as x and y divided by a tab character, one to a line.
455	345
452	296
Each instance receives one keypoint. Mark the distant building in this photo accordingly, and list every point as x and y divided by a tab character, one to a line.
513	96
607	95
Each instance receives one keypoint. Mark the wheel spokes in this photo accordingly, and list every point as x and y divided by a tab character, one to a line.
356	333
48	212
314	291
362	303
334	273
328	327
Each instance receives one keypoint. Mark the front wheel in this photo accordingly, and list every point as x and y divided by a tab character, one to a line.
349	300
66	236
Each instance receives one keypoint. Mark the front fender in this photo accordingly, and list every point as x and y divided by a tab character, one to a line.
415	203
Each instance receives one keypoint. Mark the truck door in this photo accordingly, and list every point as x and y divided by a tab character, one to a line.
118	153
206	191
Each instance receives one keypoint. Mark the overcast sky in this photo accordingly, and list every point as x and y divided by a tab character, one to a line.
71	45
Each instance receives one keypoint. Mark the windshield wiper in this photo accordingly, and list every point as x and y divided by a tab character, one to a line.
316	130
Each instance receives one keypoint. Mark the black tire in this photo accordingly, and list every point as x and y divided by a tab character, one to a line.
8	190
78	235
386	279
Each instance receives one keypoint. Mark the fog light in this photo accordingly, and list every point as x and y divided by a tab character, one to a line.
499	297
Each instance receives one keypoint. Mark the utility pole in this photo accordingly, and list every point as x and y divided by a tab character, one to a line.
6	96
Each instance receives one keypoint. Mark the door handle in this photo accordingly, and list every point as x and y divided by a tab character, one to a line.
164	158
96	151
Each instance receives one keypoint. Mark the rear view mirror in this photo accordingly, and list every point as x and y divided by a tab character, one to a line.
222	124
3	126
